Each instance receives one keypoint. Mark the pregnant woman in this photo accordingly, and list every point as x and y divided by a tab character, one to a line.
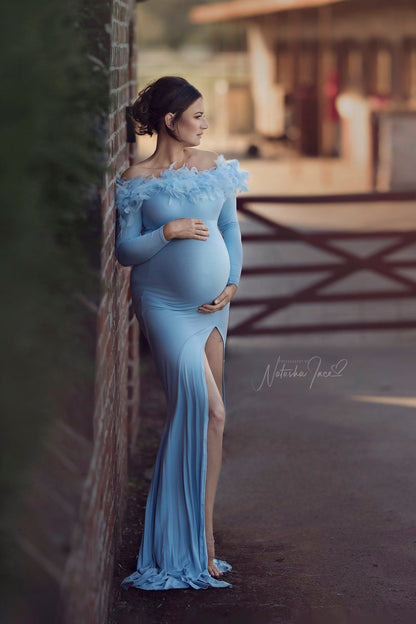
179	232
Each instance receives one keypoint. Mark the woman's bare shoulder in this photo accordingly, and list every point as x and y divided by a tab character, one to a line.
201	159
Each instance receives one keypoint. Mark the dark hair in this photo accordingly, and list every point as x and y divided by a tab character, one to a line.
169	94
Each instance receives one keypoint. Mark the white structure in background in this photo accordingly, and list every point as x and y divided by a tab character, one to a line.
268	95
354	110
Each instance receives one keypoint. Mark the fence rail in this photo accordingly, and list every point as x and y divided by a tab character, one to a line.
347	263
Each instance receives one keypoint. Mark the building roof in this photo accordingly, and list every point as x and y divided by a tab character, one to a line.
239	9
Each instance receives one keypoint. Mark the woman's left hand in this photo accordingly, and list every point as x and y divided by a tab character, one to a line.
221	301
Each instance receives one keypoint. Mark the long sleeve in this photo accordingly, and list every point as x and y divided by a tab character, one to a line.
230	229
132	247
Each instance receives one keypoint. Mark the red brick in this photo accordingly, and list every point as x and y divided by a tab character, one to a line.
88	575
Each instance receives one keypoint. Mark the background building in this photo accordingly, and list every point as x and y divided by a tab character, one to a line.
322	71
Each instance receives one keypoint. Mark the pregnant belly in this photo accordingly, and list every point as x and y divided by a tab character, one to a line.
189	270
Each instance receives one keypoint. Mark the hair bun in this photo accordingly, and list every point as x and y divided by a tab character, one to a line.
169	94
141	112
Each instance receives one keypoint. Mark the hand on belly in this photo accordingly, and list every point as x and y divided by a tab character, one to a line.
219	302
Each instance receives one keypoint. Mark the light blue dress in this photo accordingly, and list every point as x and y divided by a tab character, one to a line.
169	280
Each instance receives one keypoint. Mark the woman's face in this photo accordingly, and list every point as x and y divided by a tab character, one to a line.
192	123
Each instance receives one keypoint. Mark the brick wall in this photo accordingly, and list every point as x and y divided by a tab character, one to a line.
88	574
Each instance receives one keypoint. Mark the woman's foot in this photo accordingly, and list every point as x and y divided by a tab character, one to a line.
212	568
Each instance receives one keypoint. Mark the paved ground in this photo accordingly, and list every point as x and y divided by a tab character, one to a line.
315	506
318	480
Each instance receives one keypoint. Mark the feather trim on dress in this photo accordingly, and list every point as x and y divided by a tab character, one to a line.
224	179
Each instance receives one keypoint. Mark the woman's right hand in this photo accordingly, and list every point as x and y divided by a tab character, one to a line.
186	228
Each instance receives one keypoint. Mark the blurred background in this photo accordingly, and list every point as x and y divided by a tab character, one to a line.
329	80
317	100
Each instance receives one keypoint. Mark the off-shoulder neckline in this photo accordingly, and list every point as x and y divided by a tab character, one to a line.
220	159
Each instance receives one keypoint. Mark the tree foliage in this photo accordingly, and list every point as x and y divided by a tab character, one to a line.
54	105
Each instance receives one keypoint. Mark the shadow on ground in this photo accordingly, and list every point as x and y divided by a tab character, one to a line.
314	508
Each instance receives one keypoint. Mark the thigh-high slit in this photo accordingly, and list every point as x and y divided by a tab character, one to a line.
173	550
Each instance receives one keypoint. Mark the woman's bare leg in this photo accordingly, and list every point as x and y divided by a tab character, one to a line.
213	363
